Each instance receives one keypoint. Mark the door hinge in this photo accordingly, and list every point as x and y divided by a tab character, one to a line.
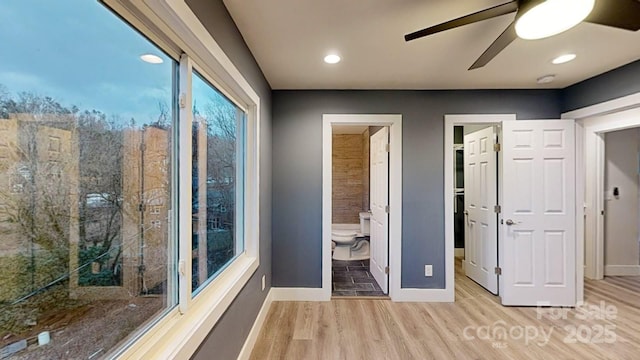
386	209
498	270
387	147
496	147
386	269
497	209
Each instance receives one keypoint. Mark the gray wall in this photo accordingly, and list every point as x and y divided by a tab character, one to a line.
621	212
616	83
297	170
226	339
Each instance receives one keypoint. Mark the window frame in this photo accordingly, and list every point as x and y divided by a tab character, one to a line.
239	231
172	26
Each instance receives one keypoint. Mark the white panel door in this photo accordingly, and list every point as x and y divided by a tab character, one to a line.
379	199
537	255
480	198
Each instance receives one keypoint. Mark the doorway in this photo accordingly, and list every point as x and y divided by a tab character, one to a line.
359	222
477	202
536	209
384	255
596	128
621	205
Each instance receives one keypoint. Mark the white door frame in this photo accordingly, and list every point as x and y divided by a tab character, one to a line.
394	121
449	160
617	114
452	120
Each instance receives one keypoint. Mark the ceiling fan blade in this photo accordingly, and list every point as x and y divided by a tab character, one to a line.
507	36
623	14
468	19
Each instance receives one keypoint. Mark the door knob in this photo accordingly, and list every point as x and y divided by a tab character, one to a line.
509	222
466	212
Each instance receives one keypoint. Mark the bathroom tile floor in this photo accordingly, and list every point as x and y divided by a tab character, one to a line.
352	278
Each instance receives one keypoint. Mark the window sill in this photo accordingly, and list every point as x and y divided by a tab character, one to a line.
178	336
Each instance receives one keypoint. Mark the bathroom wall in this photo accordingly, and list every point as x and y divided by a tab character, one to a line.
347	175
621	253
366	146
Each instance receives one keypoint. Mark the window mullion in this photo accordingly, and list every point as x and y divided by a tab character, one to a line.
185	122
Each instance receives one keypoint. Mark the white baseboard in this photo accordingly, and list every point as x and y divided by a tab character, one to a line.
622	270
300	294
423	295
250	342
401	295
459	252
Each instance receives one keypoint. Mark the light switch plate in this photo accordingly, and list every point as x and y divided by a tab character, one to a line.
428	270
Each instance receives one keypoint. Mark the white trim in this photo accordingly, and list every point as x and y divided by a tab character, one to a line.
622	270
580	211
183	27
178	336
252	338
449	160
459	252
185	223
299	294
394	121
615	105
617	114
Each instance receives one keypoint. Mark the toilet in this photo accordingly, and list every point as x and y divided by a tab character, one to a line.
352	244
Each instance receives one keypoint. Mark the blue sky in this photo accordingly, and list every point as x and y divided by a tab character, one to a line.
79	53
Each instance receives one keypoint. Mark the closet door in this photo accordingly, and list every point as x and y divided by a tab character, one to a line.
481	197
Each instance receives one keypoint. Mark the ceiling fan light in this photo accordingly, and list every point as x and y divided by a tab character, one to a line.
552	17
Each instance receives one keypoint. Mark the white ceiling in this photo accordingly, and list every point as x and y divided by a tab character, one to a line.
289	39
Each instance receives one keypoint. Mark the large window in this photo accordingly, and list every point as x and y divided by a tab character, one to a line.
86	121
218	144
128	180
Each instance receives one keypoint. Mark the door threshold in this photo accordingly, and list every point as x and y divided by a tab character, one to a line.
350	297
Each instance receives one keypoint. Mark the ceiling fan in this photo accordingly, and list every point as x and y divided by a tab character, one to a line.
537	19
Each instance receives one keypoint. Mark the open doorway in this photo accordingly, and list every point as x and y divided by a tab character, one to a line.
600	123
536	209
597	122
476	203
359	168
621	205
362	195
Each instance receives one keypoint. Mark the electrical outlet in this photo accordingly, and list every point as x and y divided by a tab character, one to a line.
428	270
264	282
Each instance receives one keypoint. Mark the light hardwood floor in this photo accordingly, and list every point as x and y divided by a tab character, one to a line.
381	329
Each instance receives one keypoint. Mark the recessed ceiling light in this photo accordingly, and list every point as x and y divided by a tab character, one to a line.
332	59
563	58
545	79
151	59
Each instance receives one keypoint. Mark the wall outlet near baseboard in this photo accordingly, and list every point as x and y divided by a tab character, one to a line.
428	270
264	281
